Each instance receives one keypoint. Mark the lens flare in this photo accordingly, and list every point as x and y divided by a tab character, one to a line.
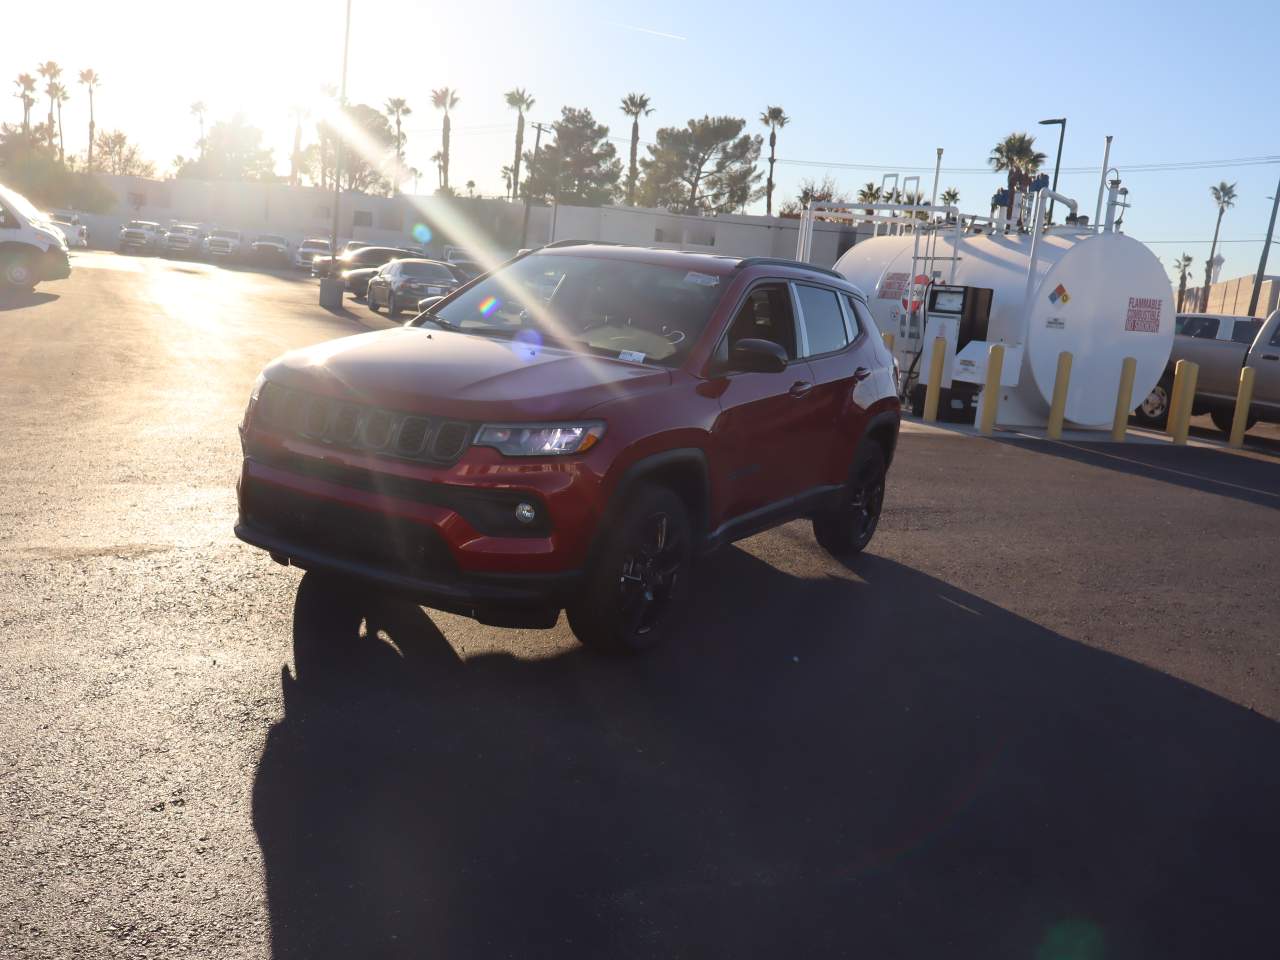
422	233
488	305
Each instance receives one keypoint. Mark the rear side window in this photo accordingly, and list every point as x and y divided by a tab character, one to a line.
765	315
1245	330
822	318
1202	328
859	320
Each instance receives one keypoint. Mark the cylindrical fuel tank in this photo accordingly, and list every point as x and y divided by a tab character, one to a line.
1102	296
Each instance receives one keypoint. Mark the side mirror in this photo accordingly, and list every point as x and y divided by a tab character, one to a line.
757	356
426	303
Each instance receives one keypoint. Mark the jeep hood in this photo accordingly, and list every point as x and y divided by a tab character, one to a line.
422	370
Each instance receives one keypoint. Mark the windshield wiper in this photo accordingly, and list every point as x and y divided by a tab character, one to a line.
435	318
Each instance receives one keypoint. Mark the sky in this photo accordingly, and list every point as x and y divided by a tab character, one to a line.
870	89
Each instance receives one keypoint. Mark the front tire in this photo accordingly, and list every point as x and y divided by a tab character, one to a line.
1222	419
18	271
393	308
639	577
847	529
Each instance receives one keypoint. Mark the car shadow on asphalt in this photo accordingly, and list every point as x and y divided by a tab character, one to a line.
1251	479
17	299
871	763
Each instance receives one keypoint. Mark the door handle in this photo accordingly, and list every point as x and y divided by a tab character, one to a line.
801	389
1270	356
861	374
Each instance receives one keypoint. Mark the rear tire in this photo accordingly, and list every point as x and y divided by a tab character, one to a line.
1222	419
846	530
373	304
638	578
1153	412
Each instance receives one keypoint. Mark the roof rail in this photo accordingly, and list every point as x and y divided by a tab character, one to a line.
583	243
784	262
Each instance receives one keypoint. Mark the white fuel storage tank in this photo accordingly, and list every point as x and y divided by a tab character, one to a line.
1099	294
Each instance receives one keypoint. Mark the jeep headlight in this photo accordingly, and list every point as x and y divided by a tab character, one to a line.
540	439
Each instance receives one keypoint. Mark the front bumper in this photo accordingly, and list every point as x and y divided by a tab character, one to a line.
442	543
54	265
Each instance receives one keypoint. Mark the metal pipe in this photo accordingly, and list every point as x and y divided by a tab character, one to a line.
337	169
937	170
1102	181
1266	248
1031	269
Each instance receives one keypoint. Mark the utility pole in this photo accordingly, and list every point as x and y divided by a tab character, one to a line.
331	286
537	142
1061	123
1266	248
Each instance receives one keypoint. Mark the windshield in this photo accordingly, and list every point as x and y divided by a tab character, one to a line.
141	225
425	271
315	244
185	231
637	311
21	205
271	240
225	235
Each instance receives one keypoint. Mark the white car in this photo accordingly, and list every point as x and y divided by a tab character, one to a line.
77	233
308	250
31	248
141	235
223	244
183	239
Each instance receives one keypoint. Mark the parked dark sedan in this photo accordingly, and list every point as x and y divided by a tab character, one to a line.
357	281
321	265
401	284
368	257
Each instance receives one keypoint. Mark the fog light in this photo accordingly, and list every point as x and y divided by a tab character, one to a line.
525	512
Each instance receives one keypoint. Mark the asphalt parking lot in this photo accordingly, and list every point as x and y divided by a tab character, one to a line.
1038	719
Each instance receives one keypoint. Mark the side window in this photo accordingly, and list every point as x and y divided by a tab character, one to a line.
764	315
7	220
1245	330
1202	328
859	322
1275	336
822	318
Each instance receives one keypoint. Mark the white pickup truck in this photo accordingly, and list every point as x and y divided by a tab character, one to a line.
223	244
1221	346
141	236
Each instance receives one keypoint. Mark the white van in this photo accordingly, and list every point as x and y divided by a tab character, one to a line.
31	248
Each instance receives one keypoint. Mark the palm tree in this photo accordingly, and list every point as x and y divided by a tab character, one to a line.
60	96
950	197
1224	195
299	113
90	79
1017	156
506	178
869	193
635	106
396	108
518	100
438	159
198	110
51	72
444	99
26	85
471	188
775	119
1182	266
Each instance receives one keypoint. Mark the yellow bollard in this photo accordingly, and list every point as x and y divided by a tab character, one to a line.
1175	398
1124	399
991	390
933	391
1186	400
1244	397
1061	382
888	340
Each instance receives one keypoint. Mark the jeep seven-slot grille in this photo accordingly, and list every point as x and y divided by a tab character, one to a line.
357	427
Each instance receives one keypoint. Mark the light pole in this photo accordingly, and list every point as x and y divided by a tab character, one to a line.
331	285
1266	248
1061	123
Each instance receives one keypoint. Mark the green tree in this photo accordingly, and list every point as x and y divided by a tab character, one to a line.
869	193
507	178
444	99
60	96
950	197
1182	266
1016	155
26	84
635	106
233	151
90	79
397	108
119	157
519	101
775	119
50	71
813	191
579	165
365	159
706	166
1224	195
471	188
198	110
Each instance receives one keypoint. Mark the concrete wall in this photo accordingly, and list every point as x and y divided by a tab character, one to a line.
492	227
1232	296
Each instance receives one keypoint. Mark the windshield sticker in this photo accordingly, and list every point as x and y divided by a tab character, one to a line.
632	356
702	279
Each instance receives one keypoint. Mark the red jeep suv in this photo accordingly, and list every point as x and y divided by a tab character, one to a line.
571	431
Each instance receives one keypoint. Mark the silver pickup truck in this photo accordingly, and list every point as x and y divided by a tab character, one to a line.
1221	346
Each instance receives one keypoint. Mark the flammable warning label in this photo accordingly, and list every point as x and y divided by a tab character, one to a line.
1143	315
1059	295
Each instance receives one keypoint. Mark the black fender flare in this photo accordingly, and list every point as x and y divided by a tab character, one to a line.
654	465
